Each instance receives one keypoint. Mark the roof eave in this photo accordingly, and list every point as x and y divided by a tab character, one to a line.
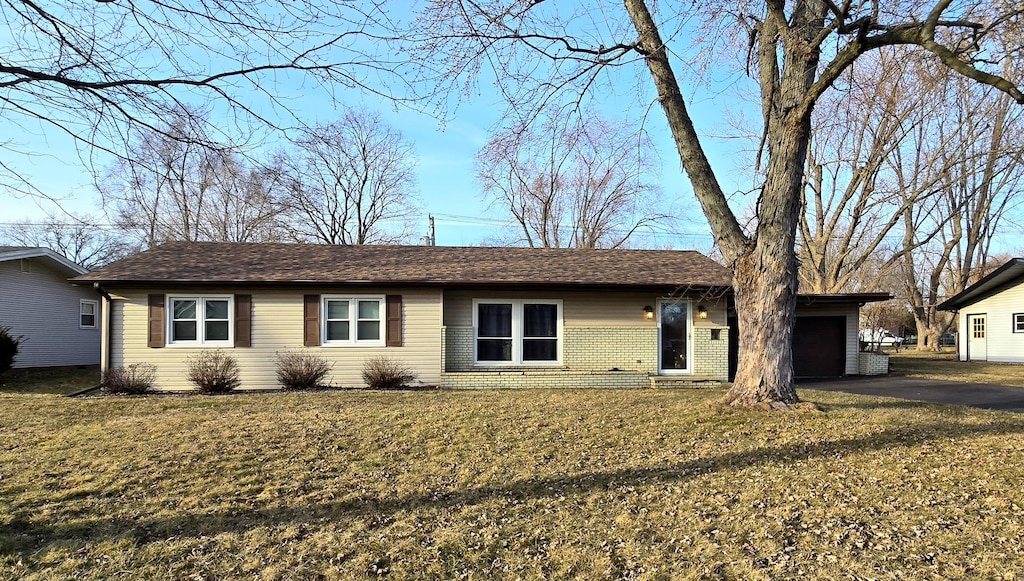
44	253
843	298
533	285
986	287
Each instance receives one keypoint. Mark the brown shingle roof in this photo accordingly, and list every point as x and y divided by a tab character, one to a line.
226	262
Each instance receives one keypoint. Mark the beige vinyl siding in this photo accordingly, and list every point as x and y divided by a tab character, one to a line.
852	314
277	325
1002	344
43	307
582	308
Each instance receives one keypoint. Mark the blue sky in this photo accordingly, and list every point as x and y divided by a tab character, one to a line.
444	151
445	169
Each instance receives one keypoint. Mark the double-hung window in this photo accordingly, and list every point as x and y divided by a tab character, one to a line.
200	320
517	332
1018	322
87	314
353	321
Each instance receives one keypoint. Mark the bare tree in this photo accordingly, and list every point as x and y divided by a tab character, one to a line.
798	51
241	206
348	182
852	202
159	190
974	159
179	184
101	72
80	239
571	180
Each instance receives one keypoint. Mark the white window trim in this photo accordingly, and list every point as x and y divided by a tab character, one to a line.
1018	322
200	320
517	332
353	318
82	313
689	339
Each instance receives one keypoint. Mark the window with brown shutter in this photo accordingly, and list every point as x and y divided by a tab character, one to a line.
311	320
156	321
394	320
243	320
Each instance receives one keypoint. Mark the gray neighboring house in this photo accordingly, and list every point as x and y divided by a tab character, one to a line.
59	323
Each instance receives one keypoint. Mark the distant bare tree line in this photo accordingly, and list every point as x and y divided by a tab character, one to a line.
572	182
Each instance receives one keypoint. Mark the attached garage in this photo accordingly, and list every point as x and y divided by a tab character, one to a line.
819	346
825	336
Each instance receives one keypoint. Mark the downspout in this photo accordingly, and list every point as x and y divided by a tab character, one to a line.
105	330
959	332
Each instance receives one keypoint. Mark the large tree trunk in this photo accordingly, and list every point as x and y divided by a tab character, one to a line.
765	273
765	279
765	302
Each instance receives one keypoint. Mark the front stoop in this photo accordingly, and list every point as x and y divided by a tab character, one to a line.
685	382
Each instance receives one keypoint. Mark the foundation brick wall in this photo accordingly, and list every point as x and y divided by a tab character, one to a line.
589	354
606	348
545	380
873	364
584	349
458	348
711	356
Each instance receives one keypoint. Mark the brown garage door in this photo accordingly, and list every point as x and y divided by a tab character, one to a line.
819	347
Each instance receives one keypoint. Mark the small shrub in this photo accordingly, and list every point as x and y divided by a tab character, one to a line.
298	370
134	379
8	348
213	372
386	373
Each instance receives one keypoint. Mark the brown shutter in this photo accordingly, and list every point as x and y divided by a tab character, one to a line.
243	320
311	320
394	321
156	321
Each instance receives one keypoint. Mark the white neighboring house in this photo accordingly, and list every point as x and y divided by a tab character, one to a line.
59	323
990	315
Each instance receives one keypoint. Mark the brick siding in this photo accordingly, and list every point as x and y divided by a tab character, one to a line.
592	357
873	364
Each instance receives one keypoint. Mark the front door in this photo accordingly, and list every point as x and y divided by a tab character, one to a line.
977	338
674	337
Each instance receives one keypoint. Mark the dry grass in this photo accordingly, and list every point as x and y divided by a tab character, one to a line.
54	380
506	485
944	365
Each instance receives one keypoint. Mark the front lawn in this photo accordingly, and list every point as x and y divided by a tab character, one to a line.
944	365
55	380
506	484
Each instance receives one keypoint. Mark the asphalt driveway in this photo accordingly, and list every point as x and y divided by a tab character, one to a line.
979	395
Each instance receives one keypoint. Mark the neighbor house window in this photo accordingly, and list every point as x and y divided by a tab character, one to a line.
1018	322
517	332
87	314
203	320
353	321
